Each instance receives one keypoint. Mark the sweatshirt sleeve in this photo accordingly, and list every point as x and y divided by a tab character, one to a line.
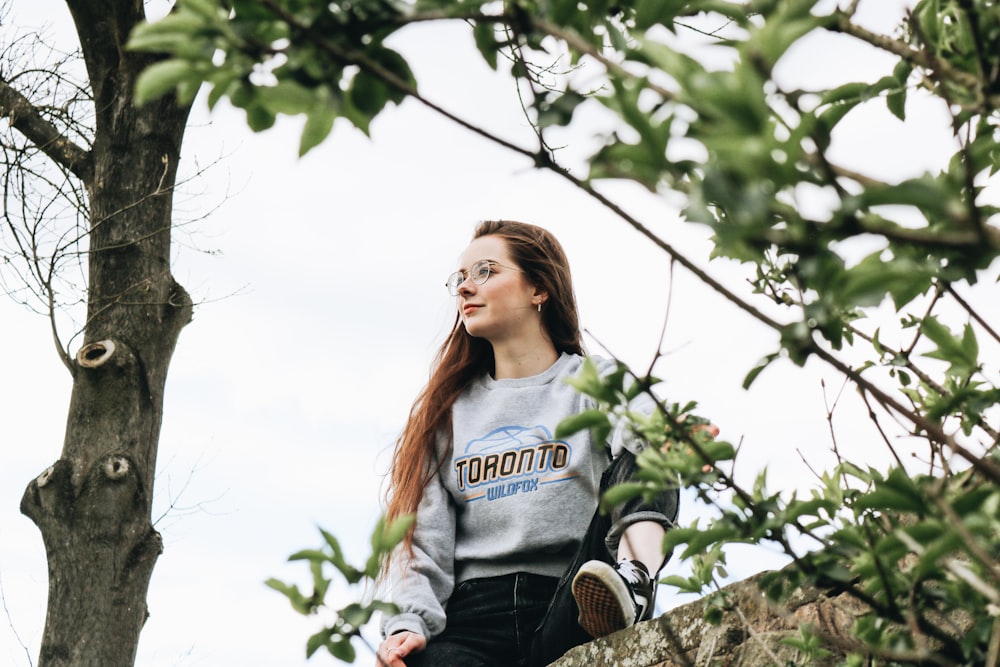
623	437
422	585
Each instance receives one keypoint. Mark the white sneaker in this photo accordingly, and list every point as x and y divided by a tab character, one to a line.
612	597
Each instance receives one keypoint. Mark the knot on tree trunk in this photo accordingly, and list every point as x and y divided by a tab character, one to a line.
46	476
113	404
107	500
112	499
115	467
95	354
49	497
101	548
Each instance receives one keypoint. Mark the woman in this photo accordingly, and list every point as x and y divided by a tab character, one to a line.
509	561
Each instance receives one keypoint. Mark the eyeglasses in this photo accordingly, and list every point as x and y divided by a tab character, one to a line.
480	273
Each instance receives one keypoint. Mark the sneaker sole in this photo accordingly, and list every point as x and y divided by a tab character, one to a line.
602	597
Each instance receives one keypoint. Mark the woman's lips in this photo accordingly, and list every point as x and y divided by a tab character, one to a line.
470	308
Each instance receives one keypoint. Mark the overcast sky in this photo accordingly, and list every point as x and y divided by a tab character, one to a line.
322	302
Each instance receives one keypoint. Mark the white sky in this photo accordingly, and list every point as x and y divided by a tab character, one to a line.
321	313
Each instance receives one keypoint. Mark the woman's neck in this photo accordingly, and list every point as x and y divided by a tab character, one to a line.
522	363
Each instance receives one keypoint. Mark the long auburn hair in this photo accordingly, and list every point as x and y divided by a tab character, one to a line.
462	358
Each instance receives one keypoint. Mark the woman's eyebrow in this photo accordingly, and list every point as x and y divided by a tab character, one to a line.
484	259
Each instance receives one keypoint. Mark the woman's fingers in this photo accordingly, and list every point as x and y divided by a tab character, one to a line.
395	647
712	429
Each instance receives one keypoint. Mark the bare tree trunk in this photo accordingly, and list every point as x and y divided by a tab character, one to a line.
93	506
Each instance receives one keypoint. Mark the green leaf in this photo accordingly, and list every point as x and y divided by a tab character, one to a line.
291	591
173	31
224	83
589	382
896	492
592	418
657	12
280	586
360	120
778	34
708	537
757	369
895	101
981	499
259	118
286	97
163	77
901	72
849	93
204	8
925	193
970	347
813	507
333	543
309	554
368	93
962	353
319	123
342	650
827	119
719	450
178	44
875	277
686	585
317	641
661	56
397	530
484	33
620	493
678	536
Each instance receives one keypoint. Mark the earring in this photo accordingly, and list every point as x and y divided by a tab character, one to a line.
539	306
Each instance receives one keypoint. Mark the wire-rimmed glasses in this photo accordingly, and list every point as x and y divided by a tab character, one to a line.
479	272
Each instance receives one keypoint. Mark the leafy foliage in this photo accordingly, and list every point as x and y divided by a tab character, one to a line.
754	157
280	58
919	550
349	620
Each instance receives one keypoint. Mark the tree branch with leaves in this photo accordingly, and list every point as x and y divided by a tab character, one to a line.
753	155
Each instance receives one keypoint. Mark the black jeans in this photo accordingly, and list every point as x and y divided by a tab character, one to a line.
528	620
491	622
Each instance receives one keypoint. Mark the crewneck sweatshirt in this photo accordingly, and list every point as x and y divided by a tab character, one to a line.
510	497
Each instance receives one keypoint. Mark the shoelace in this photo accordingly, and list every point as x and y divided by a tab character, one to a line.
631	572
640	586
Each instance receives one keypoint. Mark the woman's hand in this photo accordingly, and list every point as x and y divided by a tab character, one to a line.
709	428
395	647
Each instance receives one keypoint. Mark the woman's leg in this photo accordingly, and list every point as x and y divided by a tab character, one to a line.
442	653
641	522
643	542
491	623
560	629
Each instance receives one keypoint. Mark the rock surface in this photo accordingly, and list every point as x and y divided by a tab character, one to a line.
750	634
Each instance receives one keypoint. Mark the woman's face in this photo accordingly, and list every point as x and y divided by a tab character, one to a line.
505	307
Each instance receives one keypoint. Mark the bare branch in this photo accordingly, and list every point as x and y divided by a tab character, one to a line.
10	622
24	117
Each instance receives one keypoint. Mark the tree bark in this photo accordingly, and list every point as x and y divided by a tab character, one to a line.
93	505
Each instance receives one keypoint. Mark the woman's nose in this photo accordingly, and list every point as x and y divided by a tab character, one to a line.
467	286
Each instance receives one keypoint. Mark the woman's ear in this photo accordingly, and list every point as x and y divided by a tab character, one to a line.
539	297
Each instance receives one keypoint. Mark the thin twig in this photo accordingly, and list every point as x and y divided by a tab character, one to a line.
10	623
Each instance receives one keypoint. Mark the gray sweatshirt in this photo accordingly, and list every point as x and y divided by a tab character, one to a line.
509	497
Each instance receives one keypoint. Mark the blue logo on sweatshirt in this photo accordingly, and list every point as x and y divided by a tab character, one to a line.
511	460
